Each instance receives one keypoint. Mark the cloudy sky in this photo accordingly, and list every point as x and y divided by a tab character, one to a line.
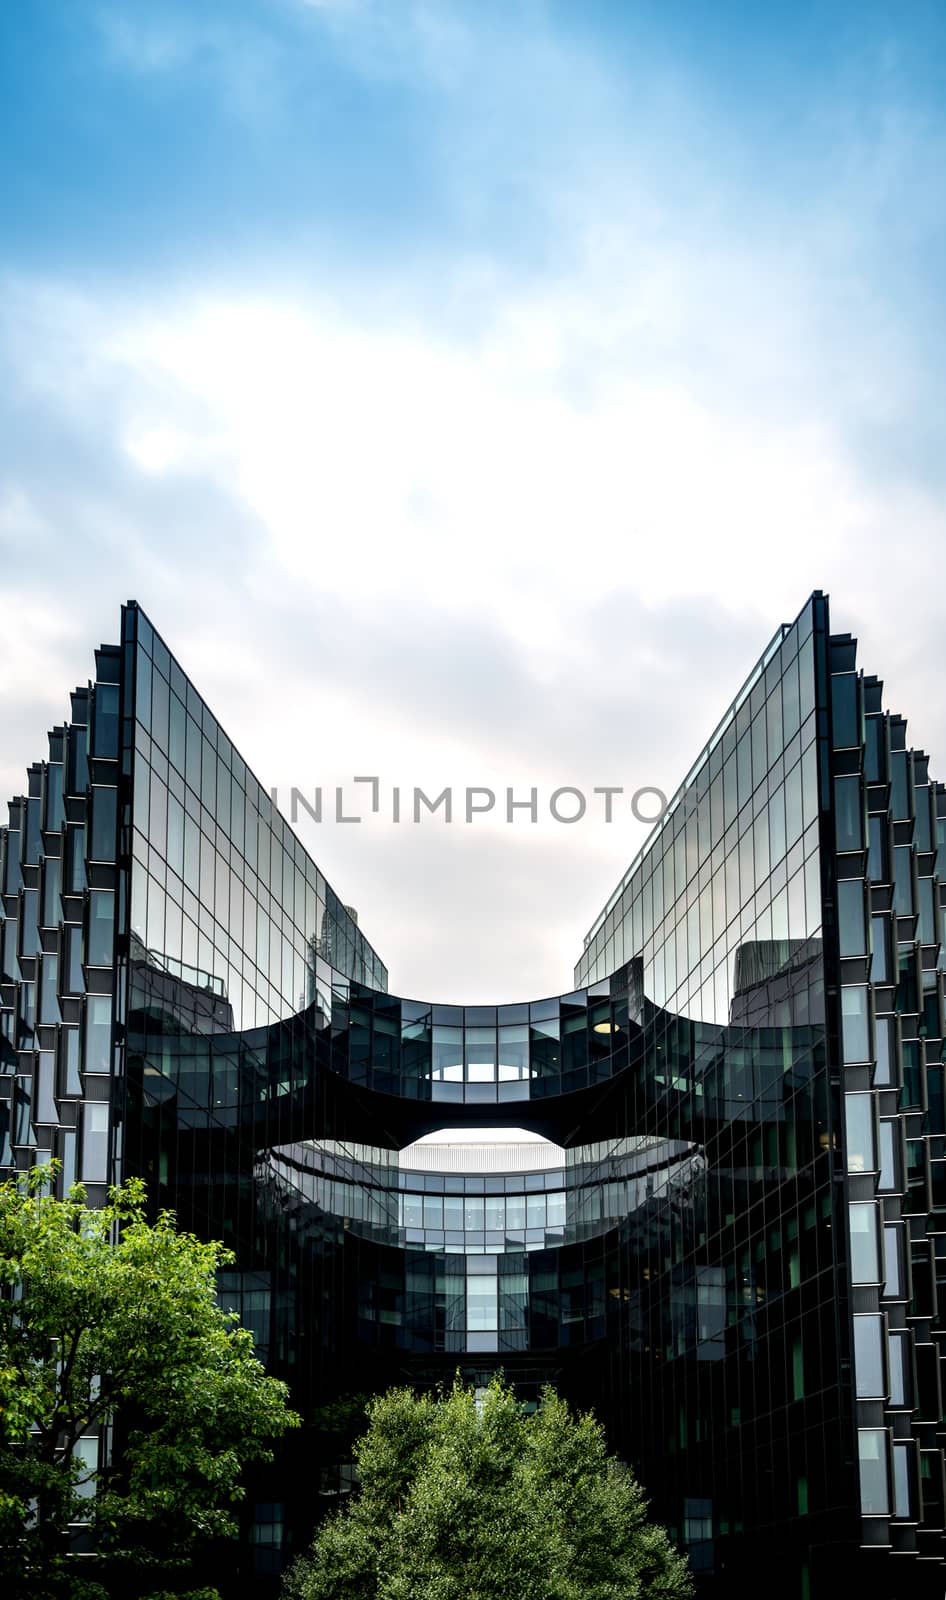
467	391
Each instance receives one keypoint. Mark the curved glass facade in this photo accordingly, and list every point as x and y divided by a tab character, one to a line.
482	1212
739	1257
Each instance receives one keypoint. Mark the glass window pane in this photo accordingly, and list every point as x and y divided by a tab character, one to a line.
177	733
777	826
760	848
482	1303
903	881
874	750
859	1119
87	1454
865	1266
868	1358
175	836
104	824
852	923
848	813
49	993
99	951
900	1387
855	1033
877	849
95	1143
880	950
901	1479
448	1054
892	1280
794	816
872	1457
883	1052
45	1108
844	719
889	1164
29	923
75	861
69	1077
98	1033
899	785
160	693
143	690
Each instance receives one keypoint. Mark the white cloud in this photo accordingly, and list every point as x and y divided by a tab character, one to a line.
474	522
507	558
509	472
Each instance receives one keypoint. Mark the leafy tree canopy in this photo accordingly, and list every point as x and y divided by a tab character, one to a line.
465	1497
108	1321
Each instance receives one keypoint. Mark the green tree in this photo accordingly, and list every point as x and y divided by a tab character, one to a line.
109	1321
465	1497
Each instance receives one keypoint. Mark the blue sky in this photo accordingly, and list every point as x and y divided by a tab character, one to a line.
468	390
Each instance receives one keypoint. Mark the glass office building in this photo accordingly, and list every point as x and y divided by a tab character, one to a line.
734	1244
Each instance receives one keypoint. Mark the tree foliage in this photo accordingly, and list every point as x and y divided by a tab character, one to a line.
465	1497
108	1321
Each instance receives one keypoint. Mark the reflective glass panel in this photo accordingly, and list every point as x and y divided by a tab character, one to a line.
872	1459
868	1358
865	1266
